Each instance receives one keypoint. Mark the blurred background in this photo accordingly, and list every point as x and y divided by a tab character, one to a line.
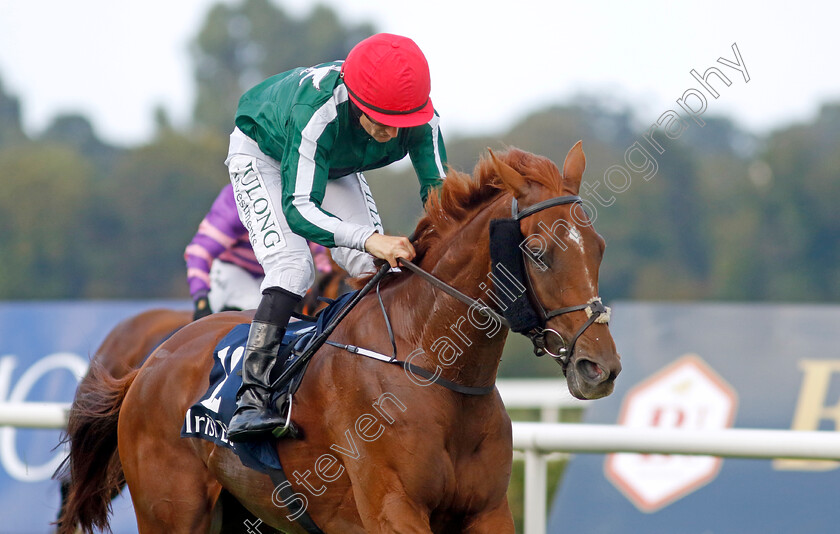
114	121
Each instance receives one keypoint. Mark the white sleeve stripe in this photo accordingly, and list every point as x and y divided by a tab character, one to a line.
306	162
434	123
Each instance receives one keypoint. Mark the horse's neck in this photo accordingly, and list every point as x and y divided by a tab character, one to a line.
464	344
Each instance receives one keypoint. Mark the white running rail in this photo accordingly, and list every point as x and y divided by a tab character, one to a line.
538	440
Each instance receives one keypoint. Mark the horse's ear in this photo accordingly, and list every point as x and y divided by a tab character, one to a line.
573	168
511	179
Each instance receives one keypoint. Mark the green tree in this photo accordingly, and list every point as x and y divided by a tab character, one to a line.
240	45
800	223
11	131
153	203
45	242
75	132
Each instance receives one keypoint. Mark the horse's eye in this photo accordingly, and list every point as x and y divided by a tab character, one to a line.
542	257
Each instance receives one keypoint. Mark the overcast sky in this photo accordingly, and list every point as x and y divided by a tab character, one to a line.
491	62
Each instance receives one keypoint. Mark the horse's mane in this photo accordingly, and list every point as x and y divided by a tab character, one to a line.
463	195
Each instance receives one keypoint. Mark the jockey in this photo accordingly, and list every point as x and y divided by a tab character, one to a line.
301	142
222	271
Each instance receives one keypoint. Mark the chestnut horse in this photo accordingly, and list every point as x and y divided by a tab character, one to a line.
381	449
123	350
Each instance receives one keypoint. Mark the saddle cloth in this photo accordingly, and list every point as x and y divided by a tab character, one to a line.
208	419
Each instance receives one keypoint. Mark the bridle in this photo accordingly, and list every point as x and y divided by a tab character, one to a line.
521	316
539	332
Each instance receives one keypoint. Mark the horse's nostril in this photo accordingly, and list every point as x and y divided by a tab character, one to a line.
590	370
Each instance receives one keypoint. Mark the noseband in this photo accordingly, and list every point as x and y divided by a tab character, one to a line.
519	313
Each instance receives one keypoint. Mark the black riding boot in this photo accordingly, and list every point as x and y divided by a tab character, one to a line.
254	416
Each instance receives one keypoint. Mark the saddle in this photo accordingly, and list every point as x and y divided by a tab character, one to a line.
209	417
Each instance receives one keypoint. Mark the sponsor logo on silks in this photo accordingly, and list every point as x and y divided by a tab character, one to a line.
255	207
317	74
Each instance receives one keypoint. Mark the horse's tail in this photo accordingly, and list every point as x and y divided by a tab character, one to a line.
96	474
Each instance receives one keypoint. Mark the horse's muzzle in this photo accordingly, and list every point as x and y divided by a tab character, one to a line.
587	379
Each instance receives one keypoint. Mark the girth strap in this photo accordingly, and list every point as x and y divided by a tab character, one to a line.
295	506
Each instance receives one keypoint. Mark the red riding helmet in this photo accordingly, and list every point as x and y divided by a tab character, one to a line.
387	76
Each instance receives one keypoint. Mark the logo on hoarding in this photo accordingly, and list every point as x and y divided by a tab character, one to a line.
814	410
687	394
14	465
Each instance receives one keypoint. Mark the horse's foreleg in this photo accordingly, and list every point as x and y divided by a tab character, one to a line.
390	513
496	521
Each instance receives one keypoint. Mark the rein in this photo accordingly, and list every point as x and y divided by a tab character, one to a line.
480	307
521	316
316	342
419	371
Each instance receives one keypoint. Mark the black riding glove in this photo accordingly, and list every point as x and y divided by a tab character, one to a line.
202	308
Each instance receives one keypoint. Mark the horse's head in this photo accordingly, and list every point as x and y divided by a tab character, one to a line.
562	254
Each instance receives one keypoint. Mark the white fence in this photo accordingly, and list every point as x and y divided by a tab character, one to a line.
550	396
34	414
537	440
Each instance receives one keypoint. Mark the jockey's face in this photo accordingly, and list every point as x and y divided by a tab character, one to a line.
377	130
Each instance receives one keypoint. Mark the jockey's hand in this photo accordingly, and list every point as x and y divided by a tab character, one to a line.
389	248
202	308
